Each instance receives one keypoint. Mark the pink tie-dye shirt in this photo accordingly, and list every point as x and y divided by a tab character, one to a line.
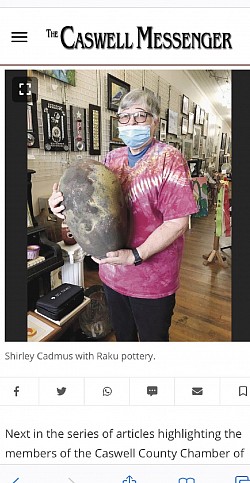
157	189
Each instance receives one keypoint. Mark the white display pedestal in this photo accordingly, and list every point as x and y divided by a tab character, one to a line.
72	270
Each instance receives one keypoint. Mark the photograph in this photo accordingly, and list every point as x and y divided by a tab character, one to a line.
202	116
163	129
197	114
100	198
172	124
94	129
196	141
187	149
190	123
116	90
184	126
185	104
114	131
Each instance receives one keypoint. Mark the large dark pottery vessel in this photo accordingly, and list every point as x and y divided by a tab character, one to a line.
95	209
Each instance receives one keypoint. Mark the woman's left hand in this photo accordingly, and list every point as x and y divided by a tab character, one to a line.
119	257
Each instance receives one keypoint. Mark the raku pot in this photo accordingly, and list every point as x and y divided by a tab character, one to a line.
95	208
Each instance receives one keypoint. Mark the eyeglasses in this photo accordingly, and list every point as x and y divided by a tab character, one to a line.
139	117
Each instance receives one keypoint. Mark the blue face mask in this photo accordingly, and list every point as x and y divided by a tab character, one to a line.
135	136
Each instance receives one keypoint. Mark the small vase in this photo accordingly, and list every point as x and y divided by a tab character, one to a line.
67	236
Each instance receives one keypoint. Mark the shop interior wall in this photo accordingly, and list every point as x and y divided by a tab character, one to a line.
91	88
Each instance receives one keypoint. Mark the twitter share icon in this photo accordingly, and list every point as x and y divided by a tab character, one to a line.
61	391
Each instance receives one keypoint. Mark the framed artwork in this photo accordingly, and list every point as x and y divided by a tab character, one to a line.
32	124
39	329
67	76
163	130
184	125
29	218
205	126
114	131
187	149
116	90
190	123
222	159
203	146
113	146
194	167
197	115
185	104
94	130
202	116
172	118
196	141
223	141
78	128
54	126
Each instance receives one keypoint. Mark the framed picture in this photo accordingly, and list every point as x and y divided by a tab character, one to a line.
172	118
202	116
197	115
54	126
190	123
32	124
223	141
113	146
78	128
159	100
185	104
29	218
205	126
114	131
116	90
67	76
196	141
163	130
94	130
187	149
194	167
184	125
203	146
40	329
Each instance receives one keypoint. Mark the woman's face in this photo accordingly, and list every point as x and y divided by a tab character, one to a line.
145	119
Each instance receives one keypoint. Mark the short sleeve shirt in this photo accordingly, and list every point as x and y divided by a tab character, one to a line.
157	189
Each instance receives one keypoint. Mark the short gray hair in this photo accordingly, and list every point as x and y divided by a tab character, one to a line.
138	96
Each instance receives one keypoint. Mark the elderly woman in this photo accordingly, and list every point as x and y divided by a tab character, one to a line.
141	279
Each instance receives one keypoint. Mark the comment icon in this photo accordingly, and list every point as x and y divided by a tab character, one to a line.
152	390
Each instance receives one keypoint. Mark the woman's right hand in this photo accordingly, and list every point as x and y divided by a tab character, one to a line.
55	202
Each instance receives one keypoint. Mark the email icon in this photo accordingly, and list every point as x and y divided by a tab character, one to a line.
197	391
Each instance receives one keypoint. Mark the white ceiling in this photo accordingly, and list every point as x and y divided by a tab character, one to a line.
214	84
